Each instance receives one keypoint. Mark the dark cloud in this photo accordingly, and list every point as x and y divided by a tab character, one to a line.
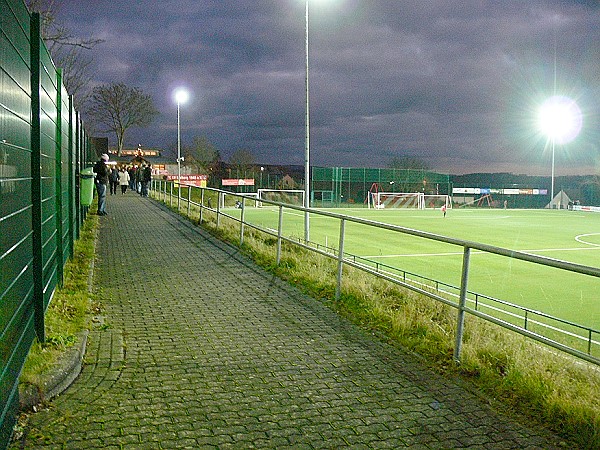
454	83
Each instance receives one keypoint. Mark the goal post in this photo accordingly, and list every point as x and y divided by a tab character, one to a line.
435	201
382	200
289	196
227	200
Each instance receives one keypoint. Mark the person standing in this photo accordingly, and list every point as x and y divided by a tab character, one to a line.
101	171
113	177
131	172
123	180
146	179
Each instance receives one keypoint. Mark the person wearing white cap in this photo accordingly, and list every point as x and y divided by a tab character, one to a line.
101	171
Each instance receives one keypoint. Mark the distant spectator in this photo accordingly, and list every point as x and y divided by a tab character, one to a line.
146	179
101	171
113	178
123	180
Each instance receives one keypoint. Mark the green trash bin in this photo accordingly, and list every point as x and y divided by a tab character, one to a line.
86	186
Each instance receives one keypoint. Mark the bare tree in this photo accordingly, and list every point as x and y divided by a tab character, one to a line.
408	162
117	107
242	160
202	154
68	51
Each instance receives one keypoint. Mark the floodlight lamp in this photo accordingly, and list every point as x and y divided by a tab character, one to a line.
181	96
560	119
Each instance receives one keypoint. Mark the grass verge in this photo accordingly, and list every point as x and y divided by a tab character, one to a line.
69	311
549	388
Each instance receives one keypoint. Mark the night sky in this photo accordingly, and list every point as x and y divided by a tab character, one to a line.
456	84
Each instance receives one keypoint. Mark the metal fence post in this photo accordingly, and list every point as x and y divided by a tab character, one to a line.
338	287
58	182
171	195
242	218
202	190
189	200
36	181
460	324
219	195
279	234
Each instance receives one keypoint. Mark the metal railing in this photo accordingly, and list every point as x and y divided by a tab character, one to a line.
552	331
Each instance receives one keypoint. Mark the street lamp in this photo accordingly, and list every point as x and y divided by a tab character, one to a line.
560	119
181	96
262	169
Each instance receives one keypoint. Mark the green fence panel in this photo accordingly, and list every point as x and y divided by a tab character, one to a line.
42	147
16	276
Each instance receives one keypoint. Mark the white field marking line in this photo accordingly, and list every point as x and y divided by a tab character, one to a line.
579	239
531	252
482	303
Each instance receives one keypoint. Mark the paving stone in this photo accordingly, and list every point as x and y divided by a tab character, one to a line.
200	348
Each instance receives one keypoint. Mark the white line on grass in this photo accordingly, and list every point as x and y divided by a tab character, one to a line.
579	239
532	252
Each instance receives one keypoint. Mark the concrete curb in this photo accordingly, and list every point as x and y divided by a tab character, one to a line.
66	370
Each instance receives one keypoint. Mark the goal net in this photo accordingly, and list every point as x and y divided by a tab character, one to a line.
435	201
289	196
234	201
381	200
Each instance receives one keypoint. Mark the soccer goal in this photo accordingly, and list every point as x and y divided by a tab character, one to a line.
434	201
381	200
234	201
289	196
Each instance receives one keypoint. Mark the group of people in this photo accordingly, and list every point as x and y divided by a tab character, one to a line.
136	178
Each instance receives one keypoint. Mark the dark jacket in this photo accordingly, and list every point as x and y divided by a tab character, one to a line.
147	175
114	175
101	171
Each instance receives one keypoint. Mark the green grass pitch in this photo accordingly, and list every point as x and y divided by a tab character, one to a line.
567	235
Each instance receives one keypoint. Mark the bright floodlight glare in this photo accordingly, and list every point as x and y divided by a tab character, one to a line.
560	119
181	96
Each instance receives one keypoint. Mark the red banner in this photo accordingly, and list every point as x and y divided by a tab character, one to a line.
194	180
236	182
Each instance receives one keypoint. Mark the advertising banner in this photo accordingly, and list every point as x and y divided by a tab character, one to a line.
237	182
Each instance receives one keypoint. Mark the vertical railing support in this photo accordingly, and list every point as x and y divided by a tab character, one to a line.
242	218
201	218
340	269
171	194
189	200
279	234
460	323
219	196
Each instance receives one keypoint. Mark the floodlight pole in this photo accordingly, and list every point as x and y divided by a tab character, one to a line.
178	157
552	176
307	145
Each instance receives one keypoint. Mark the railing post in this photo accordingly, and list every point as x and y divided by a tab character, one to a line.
171	195
279	234
201	205
242	218
219	195
338	287
189	200
460	325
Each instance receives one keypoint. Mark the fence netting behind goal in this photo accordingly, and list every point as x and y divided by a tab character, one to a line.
436	201
289	196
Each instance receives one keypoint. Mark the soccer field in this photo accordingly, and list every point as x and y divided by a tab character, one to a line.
566	235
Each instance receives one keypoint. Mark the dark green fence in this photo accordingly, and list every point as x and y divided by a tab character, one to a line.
333	186
42	148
